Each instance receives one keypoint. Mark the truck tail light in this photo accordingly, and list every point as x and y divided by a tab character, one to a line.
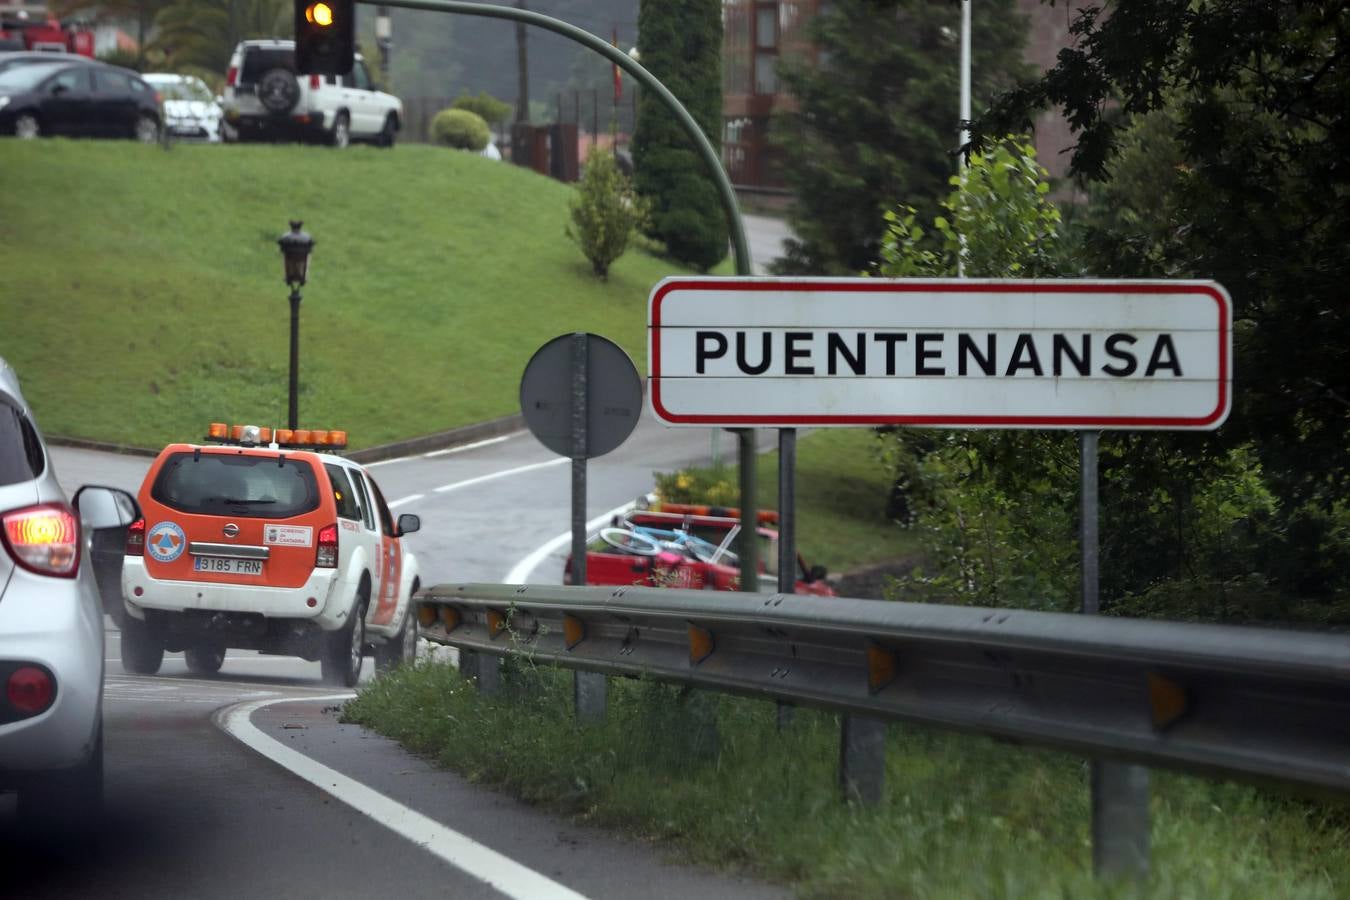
30	690
44	539
136	538
231	75
327	555
315	81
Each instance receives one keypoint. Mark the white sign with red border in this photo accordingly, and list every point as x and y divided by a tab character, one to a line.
970	353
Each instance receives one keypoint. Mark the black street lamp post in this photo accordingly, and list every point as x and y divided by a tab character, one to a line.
295	249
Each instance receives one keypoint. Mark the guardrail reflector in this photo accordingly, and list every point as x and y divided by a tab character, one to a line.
574	631
701	644
1167	700
426	615
449	617
881	667
496	623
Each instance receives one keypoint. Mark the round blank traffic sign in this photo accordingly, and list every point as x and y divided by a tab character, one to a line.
612	394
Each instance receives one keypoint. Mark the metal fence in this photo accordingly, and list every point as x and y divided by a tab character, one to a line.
1257	703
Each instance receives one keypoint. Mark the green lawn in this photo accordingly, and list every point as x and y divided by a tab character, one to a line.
143	293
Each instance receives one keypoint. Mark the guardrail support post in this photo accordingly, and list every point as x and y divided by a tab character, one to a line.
862	759
1120	823
485	670
590	690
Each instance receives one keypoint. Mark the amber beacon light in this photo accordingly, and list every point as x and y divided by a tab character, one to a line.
325	36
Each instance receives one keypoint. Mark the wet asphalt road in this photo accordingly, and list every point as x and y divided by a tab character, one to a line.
192	812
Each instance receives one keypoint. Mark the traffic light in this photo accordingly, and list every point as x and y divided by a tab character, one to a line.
325	36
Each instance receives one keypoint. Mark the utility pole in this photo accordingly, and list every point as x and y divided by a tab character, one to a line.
522	71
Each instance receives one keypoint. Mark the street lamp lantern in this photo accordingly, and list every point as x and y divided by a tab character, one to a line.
295	249
384	40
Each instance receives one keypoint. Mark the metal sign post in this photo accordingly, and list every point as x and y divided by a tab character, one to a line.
589	689
581	397
1120	792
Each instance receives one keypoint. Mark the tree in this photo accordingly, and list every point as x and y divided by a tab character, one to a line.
604	212
201	34
681	44
1215	135
876	120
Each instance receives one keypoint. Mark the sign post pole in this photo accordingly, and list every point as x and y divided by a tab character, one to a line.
1120	791
589	689
749	542
787	531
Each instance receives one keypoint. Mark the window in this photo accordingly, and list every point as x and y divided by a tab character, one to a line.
344	495
108	82
70	80
386	520
766	78
21	457
367	510
216	484
360	77
766	27
258	60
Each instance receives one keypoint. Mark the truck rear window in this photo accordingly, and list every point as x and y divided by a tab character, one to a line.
217	484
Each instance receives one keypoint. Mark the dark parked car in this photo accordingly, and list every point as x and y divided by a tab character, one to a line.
77	100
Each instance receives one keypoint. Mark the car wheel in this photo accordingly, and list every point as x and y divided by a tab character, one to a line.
142	654
343	649
205	659
278	91
26	127
402	649
341	135
147	130
388	132
68	800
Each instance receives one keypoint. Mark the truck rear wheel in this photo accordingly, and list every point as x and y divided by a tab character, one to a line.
343	649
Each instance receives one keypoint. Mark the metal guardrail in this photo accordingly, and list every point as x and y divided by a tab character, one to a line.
1210	698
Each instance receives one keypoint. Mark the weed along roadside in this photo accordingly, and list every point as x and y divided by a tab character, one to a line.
717	780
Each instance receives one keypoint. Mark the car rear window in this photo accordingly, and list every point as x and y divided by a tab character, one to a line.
21	457
217	484
259	60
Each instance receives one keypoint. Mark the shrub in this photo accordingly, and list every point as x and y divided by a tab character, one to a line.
604	212
492	110
461	129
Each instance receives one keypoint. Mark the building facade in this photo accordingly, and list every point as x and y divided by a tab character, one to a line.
758	33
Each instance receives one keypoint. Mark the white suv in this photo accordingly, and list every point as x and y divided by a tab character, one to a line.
265	99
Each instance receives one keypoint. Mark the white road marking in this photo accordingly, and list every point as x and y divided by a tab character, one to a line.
464	853
526	566
459	449
502	474
402	500
474	446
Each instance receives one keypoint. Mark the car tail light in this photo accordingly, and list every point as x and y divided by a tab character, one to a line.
230	75
327	556
136	538
315	81
44	539
159	99
30	690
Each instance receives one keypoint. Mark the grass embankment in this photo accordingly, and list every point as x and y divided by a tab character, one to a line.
143	293
962	817
714	781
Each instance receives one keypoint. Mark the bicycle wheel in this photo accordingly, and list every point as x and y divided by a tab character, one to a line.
630	541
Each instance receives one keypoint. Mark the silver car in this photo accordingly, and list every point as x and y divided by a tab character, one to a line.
51	626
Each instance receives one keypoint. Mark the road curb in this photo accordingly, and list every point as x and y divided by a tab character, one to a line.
441	440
